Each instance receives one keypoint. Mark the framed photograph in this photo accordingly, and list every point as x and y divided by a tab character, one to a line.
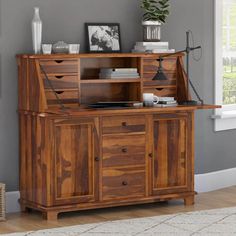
103	37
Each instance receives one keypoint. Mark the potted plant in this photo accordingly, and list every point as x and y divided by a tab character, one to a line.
155	14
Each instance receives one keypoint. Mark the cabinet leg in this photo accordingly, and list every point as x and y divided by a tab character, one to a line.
189	201
23	208
50	215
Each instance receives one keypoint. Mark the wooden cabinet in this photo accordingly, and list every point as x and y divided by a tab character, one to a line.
172	162
76	158
76	164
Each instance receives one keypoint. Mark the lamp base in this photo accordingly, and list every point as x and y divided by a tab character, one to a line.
189	103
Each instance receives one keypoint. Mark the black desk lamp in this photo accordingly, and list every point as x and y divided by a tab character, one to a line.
161	75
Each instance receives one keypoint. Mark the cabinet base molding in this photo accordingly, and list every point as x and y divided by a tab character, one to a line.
51	213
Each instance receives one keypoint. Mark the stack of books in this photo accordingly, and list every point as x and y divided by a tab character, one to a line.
152	47
166	102
119	73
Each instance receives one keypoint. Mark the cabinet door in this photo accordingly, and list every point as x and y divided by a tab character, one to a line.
172	162
76	166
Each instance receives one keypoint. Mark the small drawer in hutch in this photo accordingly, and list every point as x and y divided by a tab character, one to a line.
123	182
152	65
123	150
61	81
162	92
59	67
66	96
123	124
148	79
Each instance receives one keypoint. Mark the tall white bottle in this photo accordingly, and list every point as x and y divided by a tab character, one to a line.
37	31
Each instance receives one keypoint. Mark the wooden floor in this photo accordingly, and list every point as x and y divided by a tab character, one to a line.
33	221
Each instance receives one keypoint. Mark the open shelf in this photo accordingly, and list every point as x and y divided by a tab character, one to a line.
104	81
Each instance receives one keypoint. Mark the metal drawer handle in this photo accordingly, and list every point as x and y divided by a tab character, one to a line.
159	89
124	183
124	150
124	124
58	61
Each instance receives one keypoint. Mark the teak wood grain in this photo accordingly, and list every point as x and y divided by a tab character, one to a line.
124	150
78	158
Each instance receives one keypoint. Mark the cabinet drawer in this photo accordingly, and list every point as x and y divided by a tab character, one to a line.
169	64
123	183
66	96
171	79
123	150
123	124
61	81
162	92
59	66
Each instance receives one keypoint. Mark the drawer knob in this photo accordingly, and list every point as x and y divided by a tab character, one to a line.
97	159
124	183
150	155
124	124
124	150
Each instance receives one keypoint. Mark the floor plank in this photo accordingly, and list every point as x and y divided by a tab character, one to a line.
19	222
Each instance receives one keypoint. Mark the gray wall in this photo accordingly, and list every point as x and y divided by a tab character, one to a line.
214	150
64	20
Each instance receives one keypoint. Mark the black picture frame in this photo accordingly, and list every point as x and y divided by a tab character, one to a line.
103	37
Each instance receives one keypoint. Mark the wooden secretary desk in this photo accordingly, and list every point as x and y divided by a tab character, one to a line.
76	158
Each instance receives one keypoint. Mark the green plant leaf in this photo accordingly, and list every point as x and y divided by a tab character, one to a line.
156	10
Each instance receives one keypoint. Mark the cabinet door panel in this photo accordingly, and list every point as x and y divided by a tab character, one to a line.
172	155
75	168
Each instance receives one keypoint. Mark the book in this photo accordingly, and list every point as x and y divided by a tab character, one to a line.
118	73
154	51
166	44
167	102
119	70
166	105
166	99
151	47
119	76
163	51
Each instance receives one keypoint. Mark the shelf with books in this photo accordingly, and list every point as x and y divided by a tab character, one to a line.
105	81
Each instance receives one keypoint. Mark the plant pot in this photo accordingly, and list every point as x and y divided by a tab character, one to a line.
151	31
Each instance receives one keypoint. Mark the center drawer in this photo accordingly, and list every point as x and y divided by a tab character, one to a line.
123	124
123	183
123	150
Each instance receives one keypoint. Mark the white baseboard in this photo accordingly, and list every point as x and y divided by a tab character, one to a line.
215	180
203	183
12	204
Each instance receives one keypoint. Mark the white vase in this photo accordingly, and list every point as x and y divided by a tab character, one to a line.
151	31
37	31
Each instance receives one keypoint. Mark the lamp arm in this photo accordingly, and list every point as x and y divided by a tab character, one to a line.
182	51
196	93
